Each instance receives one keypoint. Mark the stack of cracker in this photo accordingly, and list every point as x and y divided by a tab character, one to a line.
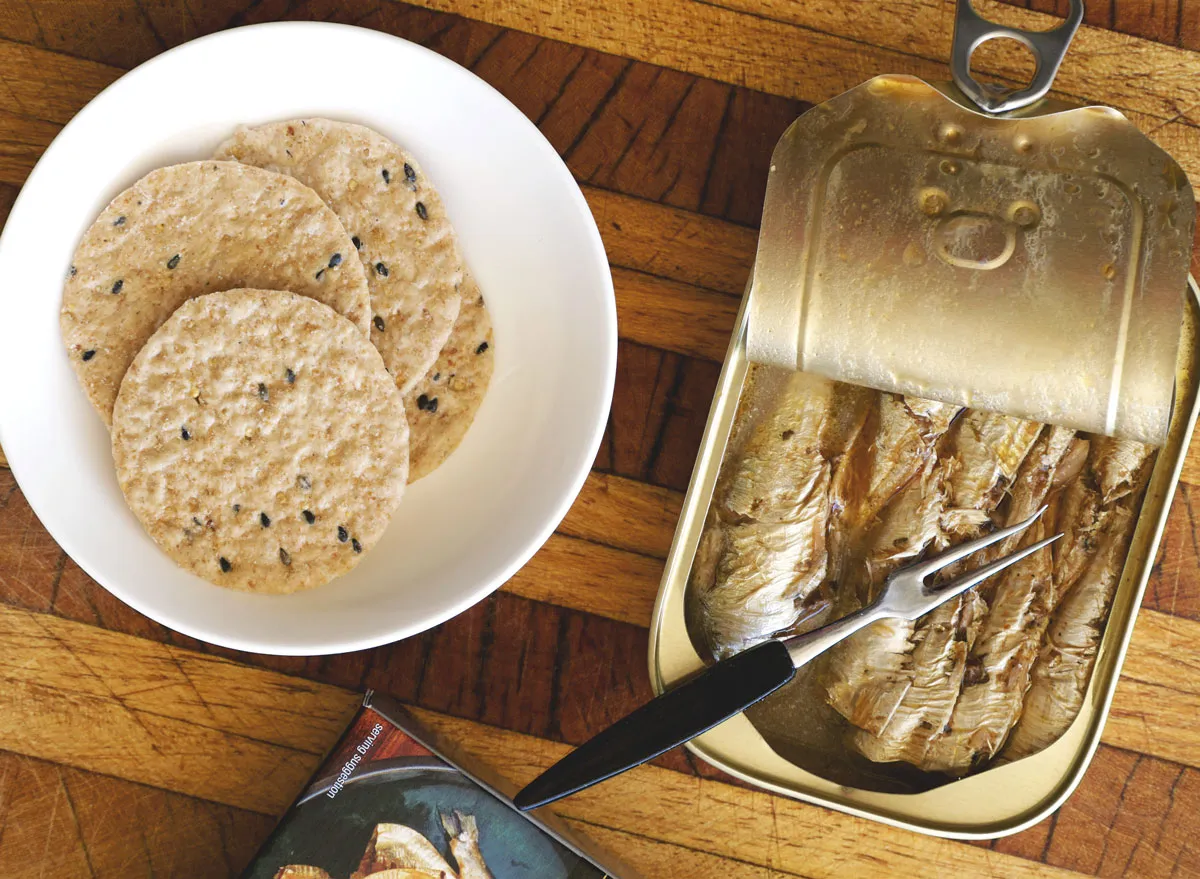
280	340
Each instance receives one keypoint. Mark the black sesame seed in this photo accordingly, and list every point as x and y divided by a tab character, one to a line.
356	545
73	270
381	269
264	520
284	557
483	346
379	324
224	563
426	403
357	242
387	178
117	285
421	212
309	517
335	260
304	482
319	273
436	376
290	376
183	432
410	176
173	261
197	521
237	508
119	221
263	393
343	534
89	354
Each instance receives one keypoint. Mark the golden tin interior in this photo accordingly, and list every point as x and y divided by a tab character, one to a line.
995	802
1030	266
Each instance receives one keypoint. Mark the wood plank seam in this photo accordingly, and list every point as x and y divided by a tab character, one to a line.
527	752
656	43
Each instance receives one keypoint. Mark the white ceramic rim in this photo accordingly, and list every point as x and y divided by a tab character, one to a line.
584	458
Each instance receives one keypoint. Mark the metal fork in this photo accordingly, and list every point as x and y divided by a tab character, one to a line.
732	685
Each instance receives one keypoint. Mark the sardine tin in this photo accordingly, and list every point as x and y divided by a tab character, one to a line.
1003	799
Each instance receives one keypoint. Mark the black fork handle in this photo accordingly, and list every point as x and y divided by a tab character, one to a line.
678	715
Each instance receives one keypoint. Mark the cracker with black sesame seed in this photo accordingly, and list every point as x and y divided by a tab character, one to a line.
443	405
260	441
397	220
191	229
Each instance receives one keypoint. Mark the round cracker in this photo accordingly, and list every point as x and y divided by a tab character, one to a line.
191	229
246	409
443	405
395	216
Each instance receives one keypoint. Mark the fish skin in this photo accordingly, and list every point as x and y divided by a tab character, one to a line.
398	845
937	666
847	444
1114	471
1119	472
867	675
762	571
998	667
989	450
903	442
1001	659
463	833
763	550
1055	459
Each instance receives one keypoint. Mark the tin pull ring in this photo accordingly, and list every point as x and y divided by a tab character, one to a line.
971	31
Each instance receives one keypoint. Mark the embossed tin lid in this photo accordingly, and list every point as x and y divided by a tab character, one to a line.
1032	263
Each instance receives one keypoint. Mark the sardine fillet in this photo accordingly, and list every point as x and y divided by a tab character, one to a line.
1107	498
998	669
868	674
1064	665
762	572
398	845
938	663
763	550
877	468
1000	661
989	449
771	480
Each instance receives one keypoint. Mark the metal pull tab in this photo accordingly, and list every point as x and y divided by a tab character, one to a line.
1048	47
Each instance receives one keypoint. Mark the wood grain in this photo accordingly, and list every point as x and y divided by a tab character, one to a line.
61	821
625	514
576	572
673	165
672	316
1152	82
696	250
672	243
705	815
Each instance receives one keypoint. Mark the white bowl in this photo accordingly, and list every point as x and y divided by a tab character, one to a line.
526	232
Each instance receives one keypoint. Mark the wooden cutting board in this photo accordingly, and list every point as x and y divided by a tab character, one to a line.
128	750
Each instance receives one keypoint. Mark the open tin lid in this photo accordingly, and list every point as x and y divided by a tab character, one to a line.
1032	263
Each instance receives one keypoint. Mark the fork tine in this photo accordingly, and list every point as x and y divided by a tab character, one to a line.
950	556
966	581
